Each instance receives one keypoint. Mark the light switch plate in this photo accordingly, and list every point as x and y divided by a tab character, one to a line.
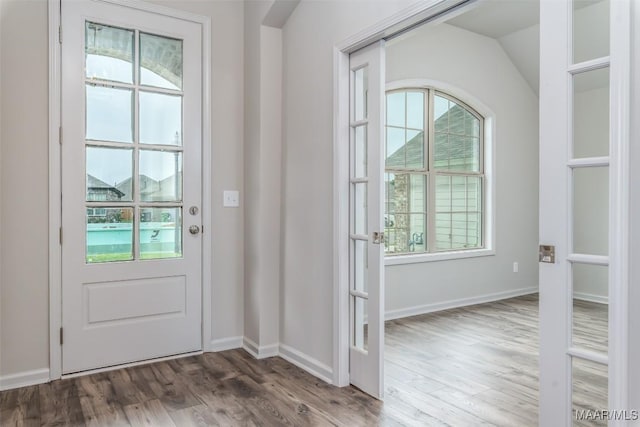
231	199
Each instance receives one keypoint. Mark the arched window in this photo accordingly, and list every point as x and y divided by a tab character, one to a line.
434	173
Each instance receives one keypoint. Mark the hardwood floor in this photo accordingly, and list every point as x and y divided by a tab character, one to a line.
463	367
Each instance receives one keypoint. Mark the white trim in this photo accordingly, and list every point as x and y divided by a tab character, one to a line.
130	365
619	216
583	296
592	356
588	162
588	259
55	191
224	344
457	303
419	12
259	351
307	363
24	379
592	64
55	173
436	256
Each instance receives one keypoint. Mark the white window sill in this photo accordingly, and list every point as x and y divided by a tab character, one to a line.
438	256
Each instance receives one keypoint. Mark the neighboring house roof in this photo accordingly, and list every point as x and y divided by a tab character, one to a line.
456	149
94	184
152	190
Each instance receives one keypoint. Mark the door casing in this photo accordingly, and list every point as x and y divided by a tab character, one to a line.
56	37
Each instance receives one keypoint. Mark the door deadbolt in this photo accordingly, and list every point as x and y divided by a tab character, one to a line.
193	210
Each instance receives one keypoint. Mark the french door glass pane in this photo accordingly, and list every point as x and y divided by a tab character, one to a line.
108	53
360	152
109	172
160	233
109	114
361	84
360	208
590	29
590	308
160	176
589	392
160	118
360	335
591	210
109	234
160	61
591	113
360	265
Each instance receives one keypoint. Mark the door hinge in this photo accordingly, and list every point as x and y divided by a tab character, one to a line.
61	336
60	236
60	135
60	34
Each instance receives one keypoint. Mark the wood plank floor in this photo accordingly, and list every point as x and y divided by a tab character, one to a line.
463	367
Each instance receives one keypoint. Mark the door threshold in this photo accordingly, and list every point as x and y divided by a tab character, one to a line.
130	365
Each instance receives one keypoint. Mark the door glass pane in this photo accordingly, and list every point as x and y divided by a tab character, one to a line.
160	175
360	86
109	172
160	119
109	114
361	332
160	233
109	234
591	210
160	61
589	392
590	29
590	308
591	114
360	265
360	152
108	53
360	208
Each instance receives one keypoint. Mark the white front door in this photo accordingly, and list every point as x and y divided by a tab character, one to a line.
131	185
366	290
579	302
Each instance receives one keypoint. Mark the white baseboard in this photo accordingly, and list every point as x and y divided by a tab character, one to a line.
462	302
23	379
259	352
307	363
591	297
223	344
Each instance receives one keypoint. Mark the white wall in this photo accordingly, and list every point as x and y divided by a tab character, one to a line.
263	140
478	66
24	177
24	180
309	37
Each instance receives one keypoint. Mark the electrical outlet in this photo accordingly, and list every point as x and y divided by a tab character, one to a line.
231	199
515	267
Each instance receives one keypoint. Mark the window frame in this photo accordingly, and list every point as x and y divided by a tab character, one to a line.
486	119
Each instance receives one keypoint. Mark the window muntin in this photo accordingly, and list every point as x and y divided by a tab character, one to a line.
434	173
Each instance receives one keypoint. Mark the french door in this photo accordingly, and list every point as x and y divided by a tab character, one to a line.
131	185
580	303
366	290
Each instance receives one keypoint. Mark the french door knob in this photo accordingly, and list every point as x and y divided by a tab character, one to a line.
194	229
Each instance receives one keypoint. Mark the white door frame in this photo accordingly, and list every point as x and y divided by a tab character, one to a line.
416	14
55	172
619	186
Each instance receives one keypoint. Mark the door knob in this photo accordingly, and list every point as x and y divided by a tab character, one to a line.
194	229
